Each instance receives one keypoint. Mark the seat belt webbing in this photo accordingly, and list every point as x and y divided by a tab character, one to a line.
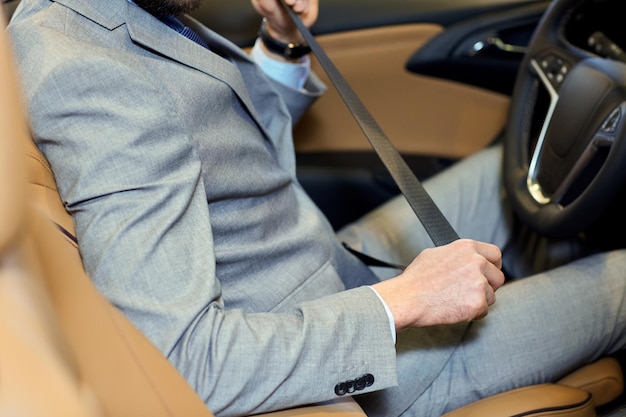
435	223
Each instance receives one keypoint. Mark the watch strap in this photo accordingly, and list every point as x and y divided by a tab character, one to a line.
286	50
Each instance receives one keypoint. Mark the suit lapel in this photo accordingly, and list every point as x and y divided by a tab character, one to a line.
107	13
148	31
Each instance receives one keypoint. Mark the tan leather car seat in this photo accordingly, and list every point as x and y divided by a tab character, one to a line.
66	351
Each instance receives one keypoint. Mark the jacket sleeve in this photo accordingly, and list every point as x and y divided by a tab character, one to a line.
298	98
131	179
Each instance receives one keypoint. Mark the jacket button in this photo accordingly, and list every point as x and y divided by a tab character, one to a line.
359	383
349	387
341	389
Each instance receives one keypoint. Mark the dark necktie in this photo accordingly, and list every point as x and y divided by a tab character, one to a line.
179	27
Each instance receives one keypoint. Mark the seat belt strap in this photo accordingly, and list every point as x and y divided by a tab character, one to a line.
370	260
433	220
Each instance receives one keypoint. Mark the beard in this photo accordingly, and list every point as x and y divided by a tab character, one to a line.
168	7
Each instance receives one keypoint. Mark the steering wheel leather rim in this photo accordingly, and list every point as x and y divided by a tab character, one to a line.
549	184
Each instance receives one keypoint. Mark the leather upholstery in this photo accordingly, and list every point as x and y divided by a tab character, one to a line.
66	351
603	379
535	400
42	189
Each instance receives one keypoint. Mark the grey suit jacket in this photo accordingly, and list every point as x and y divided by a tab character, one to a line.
178	168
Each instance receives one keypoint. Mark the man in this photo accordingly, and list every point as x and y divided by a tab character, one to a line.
175	159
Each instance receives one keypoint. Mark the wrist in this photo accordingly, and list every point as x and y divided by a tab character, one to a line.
389	291
392	323
293	74
288	51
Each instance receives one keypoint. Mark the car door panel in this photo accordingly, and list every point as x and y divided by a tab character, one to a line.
420	114
485	51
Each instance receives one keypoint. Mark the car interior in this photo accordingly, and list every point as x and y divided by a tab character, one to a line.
458	76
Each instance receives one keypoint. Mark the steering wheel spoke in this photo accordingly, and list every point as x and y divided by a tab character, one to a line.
604	137
568	180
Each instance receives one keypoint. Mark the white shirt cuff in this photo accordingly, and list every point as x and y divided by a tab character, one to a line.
287	73
392	323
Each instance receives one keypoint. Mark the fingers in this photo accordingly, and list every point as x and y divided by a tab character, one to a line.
490	299
490	295
488	266
492	272
492	265
494	275
298	6
278	21
477	303
491	252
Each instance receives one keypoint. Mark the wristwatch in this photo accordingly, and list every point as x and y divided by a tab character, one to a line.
286	50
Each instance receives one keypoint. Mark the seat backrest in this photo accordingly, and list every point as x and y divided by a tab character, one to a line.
65	349
41	186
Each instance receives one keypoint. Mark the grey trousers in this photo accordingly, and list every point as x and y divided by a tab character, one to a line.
540	328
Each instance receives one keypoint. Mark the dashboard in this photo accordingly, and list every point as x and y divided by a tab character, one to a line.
598	28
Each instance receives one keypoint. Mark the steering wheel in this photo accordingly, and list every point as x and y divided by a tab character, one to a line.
565	159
